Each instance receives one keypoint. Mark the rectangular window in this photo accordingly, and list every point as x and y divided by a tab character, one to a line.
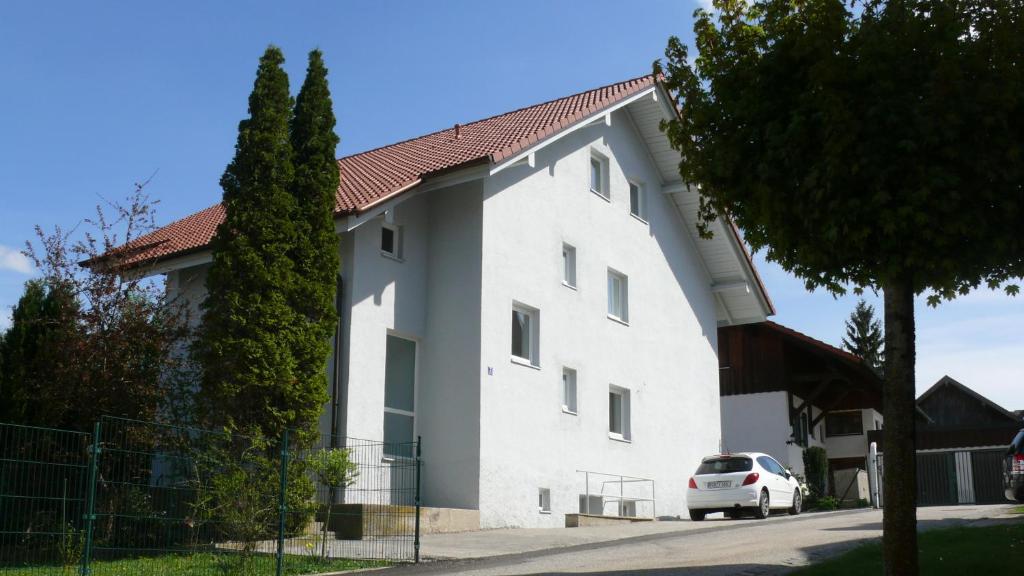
391	240
618	296
599	175
844	424
568	265
618	413
525	333
399	396
569	390
636	201
544	500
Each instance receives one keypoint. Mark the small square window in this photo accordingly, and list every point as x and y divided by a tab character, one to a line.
568	265
636	201
569	390
599	175
525	334
544	500
391	240
618	413
618	296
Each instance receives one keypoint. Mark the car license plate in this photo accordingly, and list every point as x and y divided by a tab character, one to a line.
720	484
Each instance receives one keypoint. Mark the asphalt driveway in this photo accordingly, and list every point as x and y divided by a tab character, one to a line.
714	547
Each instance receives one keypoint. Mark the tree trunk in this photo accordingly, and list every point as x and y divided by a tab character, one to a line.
900	461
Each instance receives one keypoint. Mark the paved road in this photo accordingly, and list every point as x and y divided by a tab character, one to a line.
746	547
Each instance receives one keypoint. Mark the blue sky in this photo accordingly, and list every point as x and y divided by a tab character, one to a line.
100	95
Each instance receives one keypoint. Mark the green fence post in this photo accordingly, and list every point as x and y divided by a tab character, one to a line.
283	510
416	541
90	512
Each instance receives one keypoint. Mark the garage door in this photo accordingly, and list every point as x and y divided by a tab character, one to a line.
936	479
987	468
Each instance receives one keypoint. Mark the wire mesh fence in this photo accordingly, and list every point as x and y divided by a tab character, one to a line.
147	498
43	475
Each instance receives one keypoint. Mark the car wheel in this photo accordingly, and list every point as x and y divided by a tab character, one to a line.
697	515
797	503
763	506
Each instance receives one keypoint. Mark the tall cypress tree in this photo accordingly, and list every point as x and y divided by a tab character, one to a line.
315	252
864	335
245	343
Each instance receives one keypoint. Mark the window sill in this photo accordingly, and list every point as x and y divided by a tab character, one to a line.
844	435
567	285
606	197
391	256
545	511
617	319
640	218
524	362
569	412
619	438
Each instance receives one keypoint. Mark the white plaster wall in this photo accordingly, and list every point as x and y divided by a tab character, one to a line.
381	295
666	357
448	410
758	423
853	445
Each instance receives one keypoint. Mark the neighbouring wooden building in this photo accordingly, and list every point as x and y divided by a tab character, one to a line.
782	391
961	443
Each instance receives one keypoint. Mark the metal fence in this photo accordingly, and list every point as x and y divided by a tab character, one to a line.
140	498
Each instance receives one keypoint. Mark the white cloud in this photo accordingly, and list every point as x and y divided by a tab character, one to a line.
14	260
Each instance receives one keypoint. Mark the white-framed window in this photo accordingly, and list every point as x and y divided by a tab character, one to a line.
391	240
525	335
568	390
599	175
637	200
618	413
544	500
568	265
618	296
399	396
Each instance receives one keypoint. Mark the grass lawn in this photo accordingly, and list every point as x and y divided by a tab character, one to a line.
1018	510
200	565
957	551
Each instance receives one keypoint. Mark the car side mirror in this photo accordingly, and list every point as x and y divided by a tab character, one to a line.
787	474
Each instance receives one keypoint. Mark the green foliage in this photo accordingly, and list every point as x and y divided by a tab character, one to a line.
87	340
826	503
816	469
245	342
864	335
315	249
333	467
860	146
32	353
269	311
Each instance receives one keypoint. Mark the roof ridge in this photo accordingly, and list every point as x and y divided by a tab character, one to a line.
494	116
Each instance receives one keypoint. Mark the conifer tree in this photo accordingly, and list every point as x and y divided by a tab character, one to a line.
245	343
864	336
315	252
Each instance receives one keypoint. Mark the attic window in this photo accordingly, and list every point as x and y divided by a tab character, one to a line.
391	241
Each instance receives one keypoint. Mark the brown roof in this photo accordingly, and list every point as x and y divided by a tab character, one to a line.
814	342
370	177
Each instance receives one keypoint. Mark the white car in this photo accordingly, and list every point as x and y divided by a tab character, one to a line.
737	483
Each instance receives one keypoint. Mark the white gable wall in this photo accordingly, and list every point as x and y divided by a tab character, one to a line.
666	357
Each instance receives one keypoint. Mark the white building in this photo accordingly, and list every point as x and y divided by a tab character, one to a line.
529	295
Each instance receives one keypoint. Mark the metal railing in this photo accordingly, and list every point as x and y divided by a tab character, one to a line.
141	498
631	496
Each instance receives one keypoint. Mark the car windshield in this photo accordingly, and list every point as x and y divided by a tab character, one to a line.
725	465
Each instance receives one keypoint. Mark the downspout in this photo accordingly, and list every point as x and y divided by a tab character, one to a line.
336	376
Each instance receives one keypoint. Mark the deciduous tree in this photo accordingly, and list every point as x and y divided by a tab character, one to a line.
874	144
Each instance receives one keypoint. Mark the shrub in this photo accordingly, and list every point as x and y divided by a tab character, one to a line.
816	470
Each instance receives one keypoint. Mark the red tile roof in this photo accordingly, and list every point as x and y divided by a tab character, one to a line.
369	177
